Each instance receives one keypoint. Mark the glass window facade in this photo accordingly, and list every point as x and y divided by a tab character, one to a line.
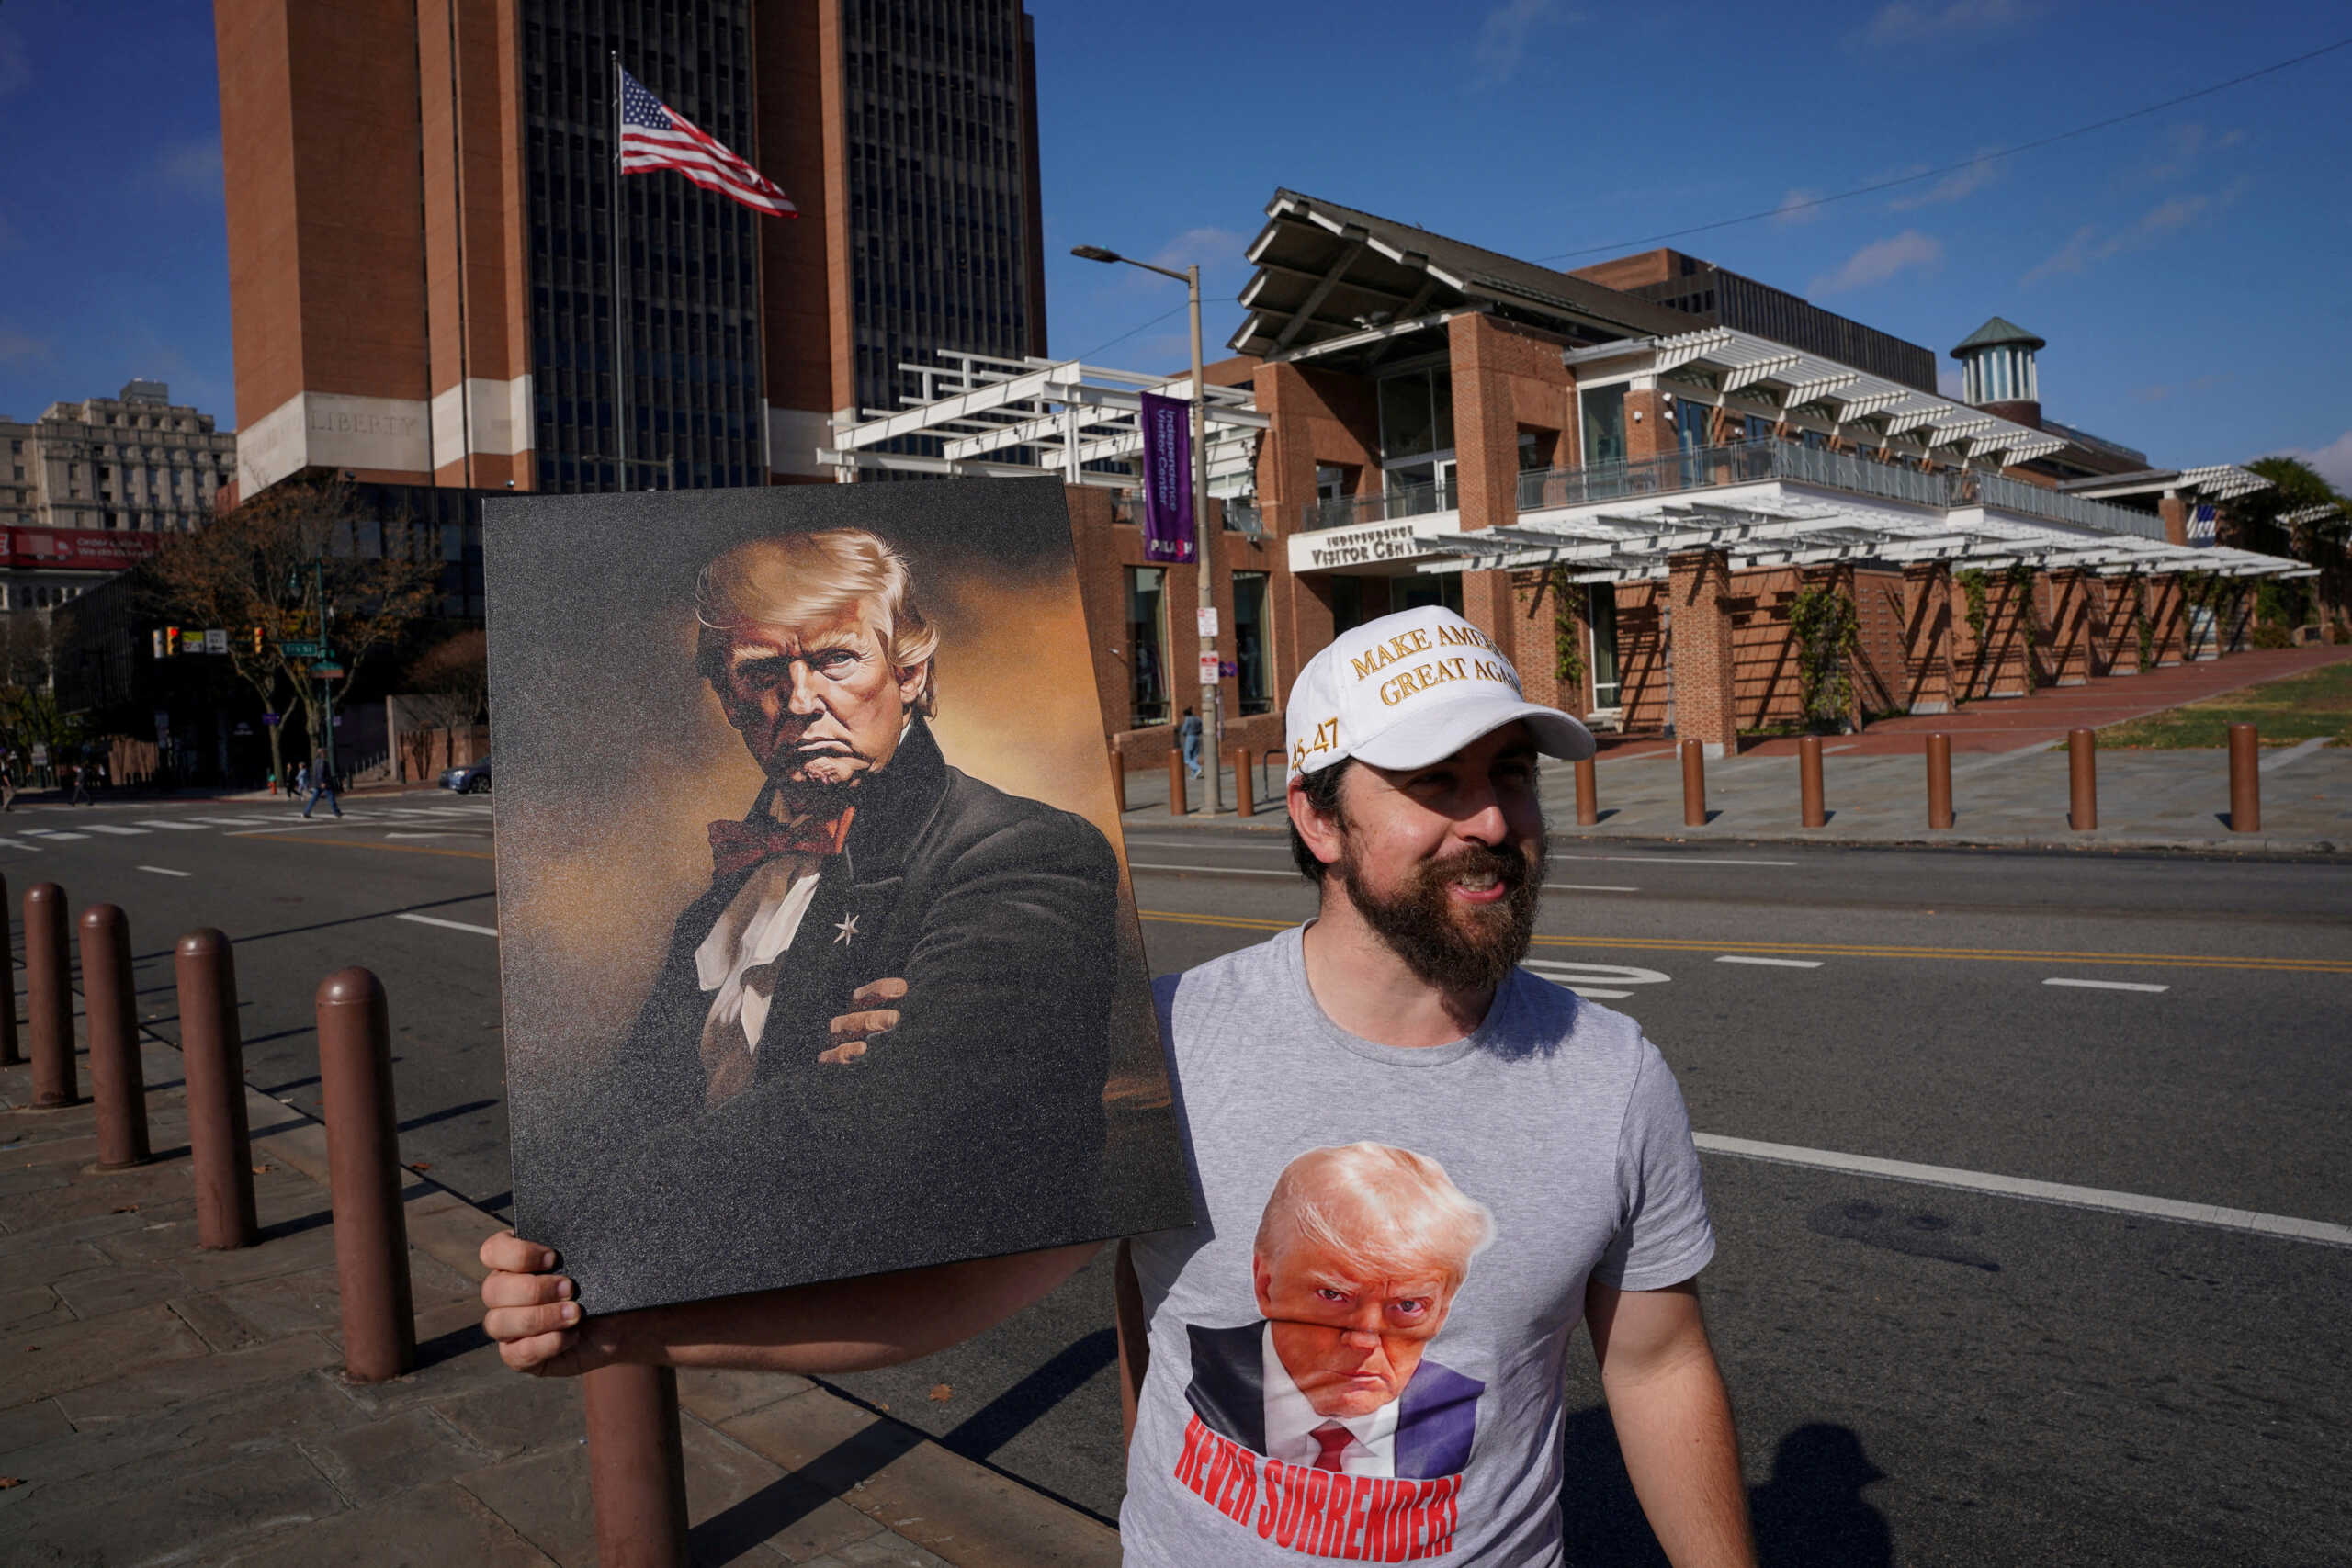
1146	646
1252	643
1603	417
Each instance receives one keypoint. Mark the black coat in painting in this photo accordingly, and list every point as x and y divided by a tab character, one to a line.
974	1127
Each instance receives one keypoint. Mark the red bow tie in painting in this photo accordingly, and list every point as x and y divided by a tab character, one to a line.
736	847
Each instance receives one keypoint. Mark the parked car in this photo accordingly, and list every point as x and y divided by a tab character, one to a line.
473	778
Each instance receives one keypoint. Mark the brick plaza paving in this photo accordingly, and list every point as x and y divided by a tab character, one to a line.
160	1404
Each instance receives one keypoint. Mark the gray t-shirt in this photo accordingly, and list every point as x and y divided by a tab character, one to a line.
1556	1116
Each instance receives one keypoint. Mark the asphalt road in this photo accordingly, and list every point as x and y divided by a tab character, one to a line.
1925	1373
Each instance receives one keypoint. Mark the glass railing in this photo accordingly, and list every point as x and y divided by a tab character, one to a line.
1406	501
1746	462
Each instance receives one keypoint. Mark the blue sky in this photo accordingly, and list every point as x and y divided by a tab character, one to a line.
2189	268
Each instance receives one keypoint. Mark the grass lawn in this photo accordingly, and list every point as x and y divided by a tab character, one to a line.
2297	707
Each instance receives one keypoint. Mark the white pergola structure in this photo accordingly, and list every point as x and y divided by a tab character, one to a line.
1014	418
1747	375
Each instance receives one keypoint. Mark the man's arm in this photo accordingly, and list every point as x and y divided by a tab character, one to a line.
1673	1420
843	1325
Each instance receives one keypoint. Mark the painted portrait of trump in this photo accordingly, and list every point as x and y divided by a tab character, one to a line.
1358	1258
879	1030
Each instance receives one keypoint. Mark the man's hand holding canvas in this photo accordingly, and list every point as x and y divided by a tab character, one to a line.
853	1032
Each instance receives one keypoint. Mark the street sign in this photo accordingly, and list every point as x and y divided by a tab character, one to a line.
303	650
216	640
1208	669
269	719
1204	619
327	672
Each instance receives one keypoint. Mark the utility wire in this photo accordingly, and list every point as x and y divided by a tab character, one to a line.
1994	156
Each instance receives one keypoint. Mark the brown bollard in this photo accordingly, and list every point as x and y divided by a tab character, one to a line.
2082	780
1939	781
363	1175
1813	811
49	998
2245	779
111	1015
1243	805
9	1054
213	1058
637	1468
1176	783
1587	793
1694	784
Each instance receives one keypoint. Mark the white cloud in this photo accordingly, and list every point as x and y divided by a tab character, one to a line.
21	348
1503	38
191	166
1960	183
2088	245
1880	259
1910	21
2334	461
1211	247
1800	205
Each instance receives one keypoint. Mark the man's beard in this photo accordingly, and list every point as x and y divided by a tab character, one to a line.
1455	947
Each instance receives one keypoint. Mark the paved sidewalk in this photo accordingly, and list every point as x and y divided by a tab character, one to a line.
2009	779
163	1404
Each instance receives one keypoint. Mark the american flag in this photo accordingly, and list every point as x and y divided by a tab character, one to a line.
655	136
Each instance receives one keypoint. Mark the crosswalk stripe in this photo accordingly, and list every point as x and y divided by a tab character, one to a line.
60	838
119	832
16	845
174	827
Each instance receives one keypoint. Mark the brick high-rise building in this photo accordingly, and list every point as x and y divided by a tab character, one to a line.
421	253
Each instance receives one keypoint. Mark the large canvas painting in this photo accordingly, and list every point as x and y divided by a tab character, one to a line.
818	953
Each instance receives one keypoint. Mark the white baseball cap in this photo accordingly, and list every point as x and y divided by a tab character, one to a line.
1411	689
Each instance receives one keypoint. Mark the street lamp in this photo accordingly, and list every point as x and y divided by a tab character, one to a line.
1211	718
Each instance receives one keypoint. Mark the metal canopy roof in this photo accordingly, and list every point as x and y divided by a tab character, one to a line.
1630	543
1326	271
1008	418
1749	374
2214	481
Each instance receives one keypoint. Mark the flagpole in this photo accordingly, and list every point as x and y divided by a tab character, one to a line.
620	326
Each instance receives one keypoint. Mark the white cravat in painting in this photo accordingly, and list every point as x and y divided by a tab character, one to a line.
1291	1422
757	925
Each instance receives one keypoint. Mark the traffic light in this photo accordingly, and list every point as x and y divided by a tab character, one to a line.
171	643
158	644
256	639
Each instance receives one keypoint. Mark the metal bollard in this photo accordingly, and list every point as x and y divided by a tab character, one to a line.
9	1054
111	1015
1694	784
363	1176
214	1059
1243	805
1939	781
1176	783
637	1468
49	998
1812	810
2082	780
1587	793
2245	779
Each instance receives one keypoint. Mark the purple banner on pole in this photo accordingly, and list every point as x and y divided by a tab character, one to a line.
1166	479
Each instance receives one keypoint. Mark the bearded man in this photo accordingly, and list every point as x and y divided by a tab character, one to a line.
1398	1022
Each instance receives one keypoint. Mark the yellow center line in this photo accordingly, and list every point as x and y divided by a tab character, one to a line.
1850	949
372	844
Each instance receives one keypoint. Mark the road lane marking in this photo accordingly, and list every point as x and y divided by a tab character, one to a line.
174	827
16	845
2108	984
451	925
436	833
167	871
1850	949
380	845
2299	750
1678	859
2038	1192
1769	963
54	836
119	832
1586	887
1214	870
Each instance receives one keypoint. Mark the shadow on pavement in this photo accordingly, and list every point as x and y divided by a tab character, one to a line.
1811	1511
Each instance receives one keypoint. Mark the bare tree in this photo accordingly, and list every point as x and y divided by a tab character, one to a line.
260	572
451	681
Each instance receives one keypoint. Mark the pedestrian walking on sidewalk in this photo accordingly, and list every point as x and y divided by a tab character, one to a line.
1188	736
323	786
1418	1167
8	782
81	795
301	781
